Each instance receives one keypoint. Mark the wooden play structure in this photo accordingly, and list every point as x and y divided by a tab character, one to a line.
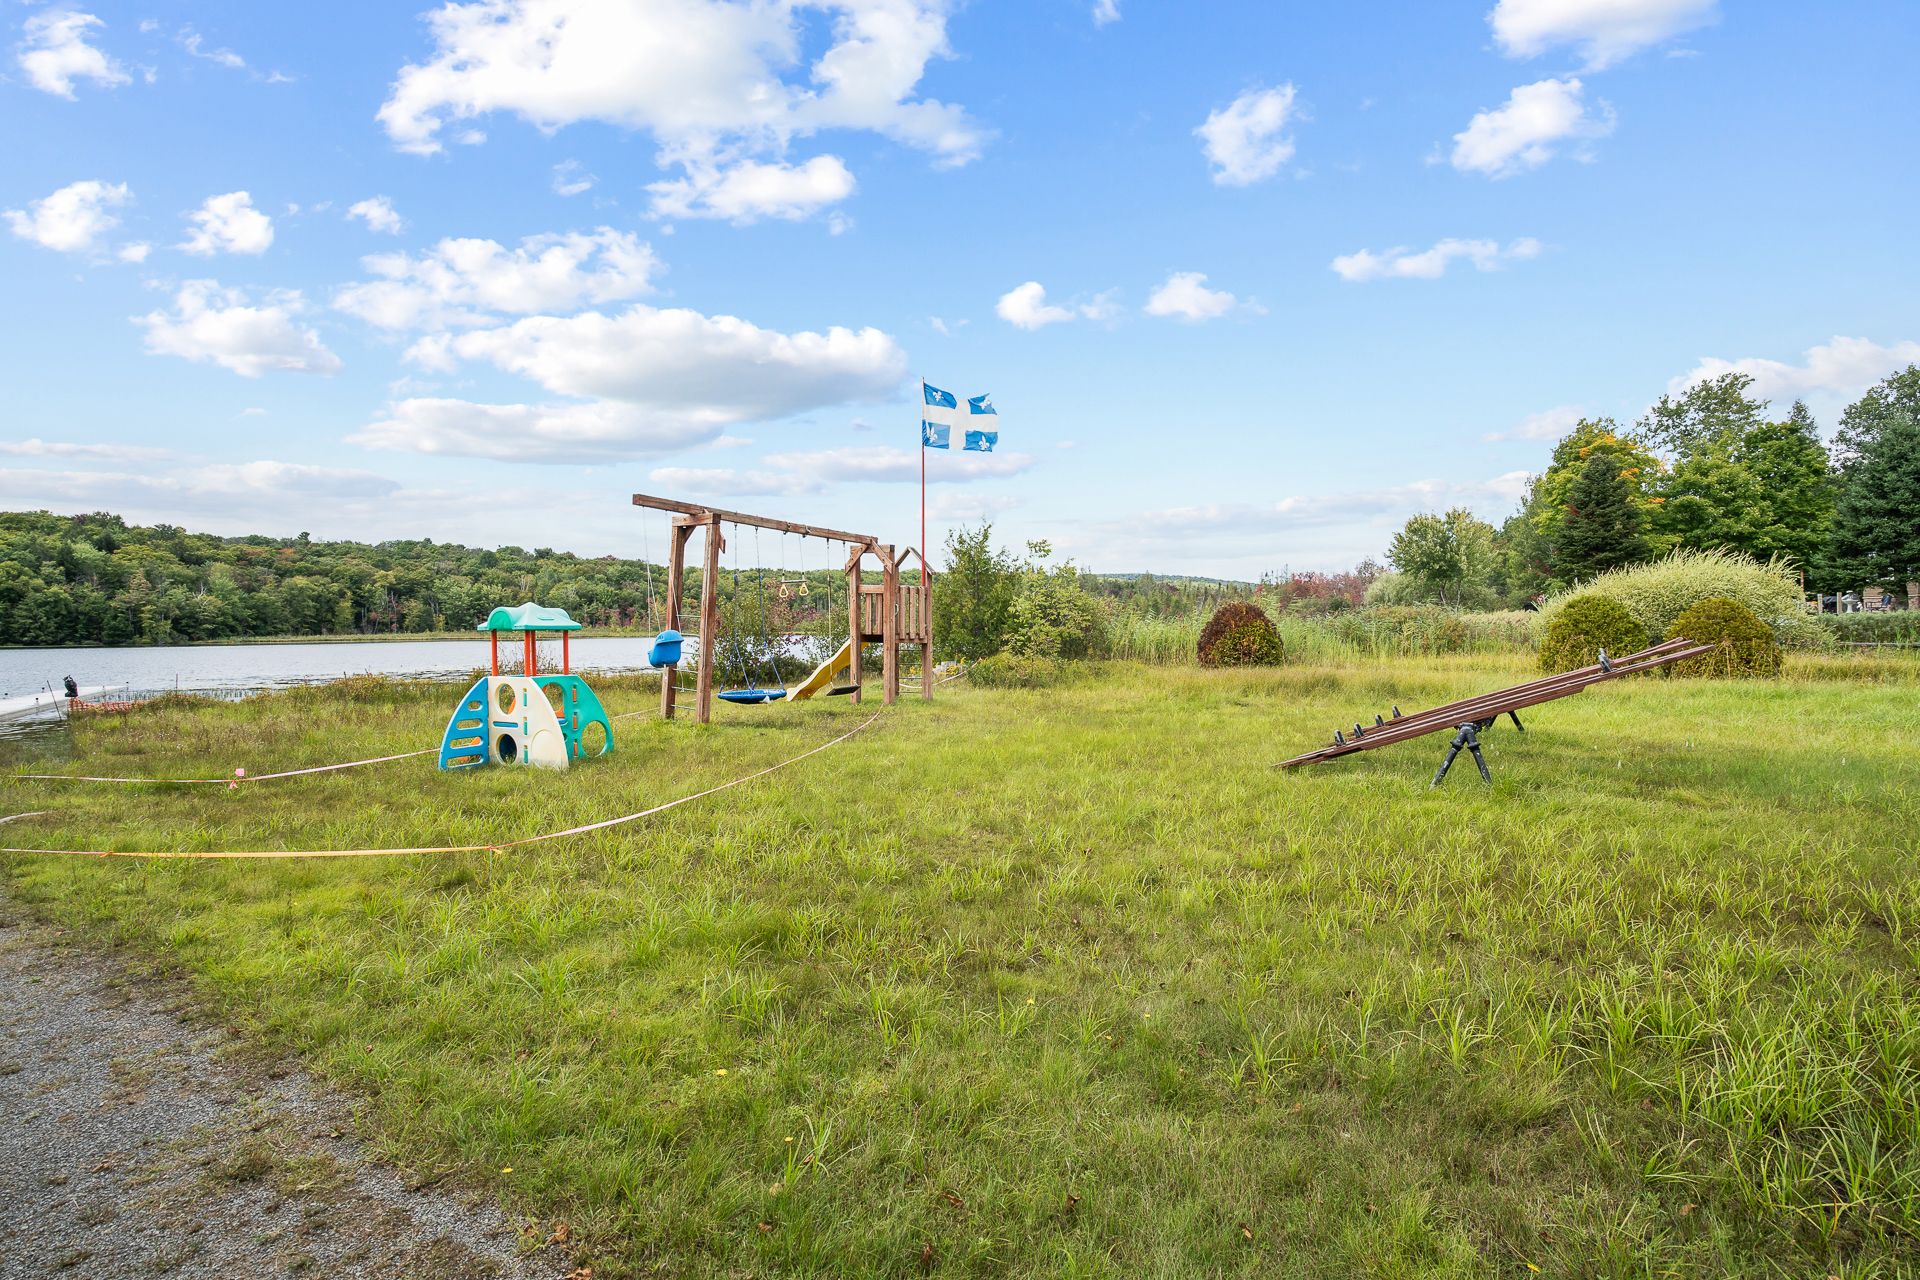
549	719
891	612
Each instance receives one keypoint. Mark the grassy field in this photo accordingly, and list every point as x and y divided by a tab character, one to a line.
1073	982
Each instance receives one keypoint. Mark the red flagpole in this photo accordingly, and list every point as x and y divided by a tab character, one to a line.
922	473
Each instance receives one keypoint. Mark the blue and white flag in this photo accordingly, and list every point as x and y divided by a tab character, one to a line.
937	417
981	415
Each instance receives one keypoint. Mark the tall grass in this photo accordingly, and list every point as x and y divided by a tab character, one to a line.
991	990
1394	632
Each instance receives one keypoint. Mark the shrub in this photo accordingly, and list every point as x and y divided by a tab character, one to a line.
1051	616
1658	592
1240	635
1747	646
1583	626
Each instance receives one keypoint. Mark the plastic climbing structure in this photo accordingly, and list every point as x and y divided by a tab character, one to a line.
549	719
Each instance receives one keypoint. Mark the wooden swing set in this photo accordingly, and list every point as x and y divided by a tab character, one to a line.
892	612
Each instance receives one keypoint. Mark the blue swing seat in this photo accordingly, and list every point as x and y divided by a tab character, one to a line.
752	697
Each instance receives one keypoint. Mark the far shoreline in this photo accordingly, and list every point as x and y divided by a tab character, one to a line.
379	637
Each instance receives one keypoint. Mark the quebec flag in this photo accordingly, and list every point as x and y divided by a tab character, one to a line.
937	417
983	424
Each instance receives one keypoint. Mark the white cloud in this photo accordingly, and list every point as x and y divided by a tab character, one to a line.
750	190
211	324
38	448
1026	307
718	369
644	380
1529	130
55	53
462	282
1105	11
1185	296
1604	30
600	431
1246	141
1548	424
196	45
570	178
74	219
228	224
816	470
135	251
1430	264
379	215
1840	367
720	85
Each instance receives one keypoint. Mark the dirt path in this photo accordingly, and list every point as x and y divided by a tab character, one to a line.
134	1144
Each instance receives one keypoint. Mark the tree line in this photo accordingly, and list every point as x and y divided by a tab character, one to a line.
1711	467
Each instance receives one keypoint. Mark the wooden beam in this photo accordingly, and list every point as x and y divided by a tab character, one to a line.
676	579
709	622
853	623
702	514
890	627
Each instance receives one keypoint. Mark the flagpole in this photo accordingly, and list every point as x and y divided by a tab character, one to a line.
923	484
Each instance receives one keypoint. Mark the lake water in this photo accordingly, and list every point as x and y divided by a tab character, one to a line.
234	669
228	667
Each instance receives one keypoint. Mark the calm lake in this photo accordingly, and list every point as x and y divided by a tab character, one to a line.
211	668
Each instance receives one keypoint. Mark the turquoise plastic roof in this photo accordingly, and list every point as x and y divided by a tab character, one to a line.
528	617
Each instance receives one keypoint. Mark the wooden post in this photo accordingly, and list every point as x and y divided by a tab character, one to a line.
709	618
853	619
890	625
676	581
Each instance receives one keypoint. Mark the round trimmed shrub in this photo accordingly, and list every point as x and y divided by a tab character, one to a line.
1585	625
1661	590
1240	635
1747	647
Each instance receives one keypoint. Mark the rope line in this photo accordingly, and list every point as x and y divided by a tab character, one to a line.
240	779
257	854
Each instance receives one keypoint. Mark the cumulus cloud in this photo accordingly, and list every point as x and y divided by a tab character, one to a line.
1185	296
643	381
1401	263
379	215
228	224
1247	140
1529	130
750	190
1842	367
721	367
463	282
1105	11
718	84
1548	424
1605	31
74	219
214	325
600	431
54	53
816	470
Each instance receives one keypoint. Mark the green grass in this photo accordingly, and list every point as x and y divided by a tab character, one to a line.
1073	982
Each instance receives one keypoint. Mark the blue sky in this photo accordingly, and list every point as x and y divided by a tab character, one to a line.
1249	283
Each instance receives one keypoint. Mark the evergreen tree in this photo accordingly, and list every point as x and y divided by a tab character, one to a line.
1876	524
1601	529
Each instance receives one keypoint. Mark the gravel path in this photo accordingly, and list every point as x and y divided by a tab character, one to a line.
135	1143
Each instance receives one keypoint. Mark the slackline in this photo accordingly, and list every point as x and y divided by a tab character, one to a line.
449	848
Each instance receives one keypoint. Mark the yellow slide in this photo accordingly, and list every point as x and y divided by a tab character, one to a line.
822	677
